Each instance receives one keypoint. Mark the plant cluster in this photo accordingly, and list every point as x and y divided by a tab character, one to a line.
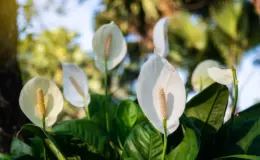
158	125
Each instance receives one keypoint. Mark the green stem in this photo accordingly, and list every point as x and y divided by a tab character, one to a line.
201	84
43	122
235	86
119	142
165	138
86	109
44	128
54	149
87	112
44	154
106	94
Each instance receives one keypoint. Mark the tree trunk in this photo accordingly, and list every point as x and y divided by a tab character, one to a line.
11	117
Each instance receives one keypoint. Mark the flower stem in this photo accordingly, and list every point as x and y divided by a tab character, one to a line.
165	138
87	112
44	153
43	126
86	109
200	84
54	149
106	94
235	86
43	122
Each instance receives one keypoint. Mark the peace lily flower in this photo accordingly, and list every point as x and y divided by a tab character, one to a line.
160	37
109	45
41	98
222	76
161	93
75	85
200	78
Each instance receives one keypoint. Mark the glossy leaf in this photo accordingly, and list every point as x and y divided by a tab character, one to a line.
97	110
248	114
188	149
247	141
32	130
239	138
240	156
75	147
207	110
209	106
85	130
143	143
37	147
128	114
19	148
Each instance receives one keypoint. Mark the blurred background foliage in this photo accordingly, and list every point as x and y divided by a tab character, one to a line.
198	29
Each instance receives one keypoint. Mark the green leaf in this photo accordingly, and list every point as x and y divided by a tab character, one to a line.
26	157
32	130
5	157
19	148
194	35
226	17
97	110
96	103
128	114
85	130
188	149
243	138
209	106
240	156
247	141
207	110
143	143
74	147
248	114
37	147
221	41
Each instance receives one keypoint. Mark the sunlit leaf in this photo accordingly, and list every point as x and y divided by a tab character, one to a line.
188	149
87	131
143	143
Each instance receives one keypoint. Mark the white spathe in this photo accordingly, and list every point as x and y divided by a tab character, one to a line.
75	85
222	76
117	46
160	37
53	100
200	78
158	73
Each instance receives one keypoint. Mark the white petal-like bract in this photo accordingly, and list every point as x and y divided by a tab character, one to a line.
200	78
160	37
53	100
157	73
75	85
109	45
222	76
